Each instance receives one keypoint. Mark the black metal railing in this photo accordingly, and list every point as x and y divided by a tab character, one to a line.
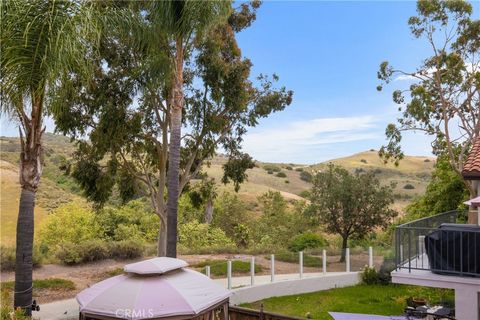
457	252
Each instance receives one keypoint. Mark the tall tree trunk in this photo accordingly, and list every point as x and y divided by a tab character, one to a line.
24	253
174	152
209	211
344	248
162	240
31	167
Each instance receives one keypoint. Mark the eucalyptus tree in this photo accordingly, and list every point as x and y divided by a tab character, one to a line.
443	99
40	40
127	112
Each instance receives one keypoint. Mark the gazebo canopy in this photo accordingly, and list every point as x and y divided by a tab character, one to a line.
174	294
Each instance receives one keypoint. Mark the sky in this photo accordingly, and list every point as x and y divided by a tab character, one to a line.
328	53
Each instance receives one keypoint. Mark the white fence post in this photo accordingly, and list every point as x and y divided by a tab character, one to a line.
252	271
272	268
207	271
324	261
347	259
300	258
229	274
370	257
401	253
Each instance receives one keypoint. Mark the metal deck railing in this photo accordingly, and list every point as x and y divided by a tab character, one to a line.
410	252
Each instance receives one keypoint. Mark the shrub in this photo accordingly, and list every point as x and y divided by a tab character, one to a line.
426	160
306	176
299	169
288	168
94	250
241	235
7	258
286	181
363	160
69	254
271	167
270	172
306	240
384	274
196	235
409	186
281	175
370	276
304	194
126	249
359	170
70	223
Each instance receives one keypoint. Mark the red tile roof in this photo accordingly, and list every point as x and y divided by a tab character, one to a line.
471	168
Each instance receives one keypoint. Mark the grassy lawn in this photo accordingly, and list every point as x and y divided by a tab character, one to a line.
292	257
52	284
219	267
369	299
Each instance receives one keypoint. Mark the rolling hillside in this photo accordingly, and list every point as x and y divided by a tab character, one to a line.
56	188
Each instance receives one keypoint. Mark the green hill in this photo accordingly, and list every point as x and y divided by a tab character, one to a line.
56	188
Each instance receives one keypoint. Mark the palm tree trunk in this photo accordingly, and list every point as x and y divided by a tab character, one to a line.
24	260
174	152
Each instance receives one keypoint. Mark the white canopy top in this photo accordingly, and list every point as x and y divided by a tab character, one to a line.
157	265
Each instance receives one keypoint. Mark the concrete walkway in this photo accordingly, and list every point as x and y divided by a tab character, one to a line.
68	309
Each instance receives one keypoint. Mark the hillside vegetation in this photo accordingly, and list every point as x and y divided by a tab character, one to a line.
291	180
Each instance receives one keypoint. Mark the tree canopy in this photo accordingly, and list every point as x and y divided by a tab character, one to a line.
125	112
444	92
351	205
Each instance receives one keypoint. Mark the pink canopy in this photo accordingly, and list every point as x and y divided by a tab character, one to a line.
475	202
180	293
155	266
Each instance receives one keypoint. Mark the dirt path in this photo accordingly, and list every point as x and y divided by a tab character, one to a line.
87	274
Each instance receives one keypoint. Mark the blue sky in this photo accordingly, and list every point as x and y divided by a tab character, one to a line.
328	53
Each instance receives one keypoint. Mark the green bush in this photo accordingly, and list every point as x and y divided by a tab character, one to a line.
219	267
286	181
370	276
94	250
288	168
69	254
271	167
196	235
306	176
299	169
307	240
281	175
7	258
363	160
70	223
126	249
409	186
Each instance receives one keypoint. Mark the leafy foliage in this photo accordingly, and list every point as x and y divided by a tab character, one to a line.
444	89
195	235
445	191
307	240
350	204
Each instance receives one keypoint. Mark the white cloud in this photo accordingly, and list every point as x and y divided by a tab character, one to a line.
304	137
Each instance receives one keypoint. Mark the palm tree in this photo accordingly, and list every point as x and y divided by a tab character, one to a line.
183	21
40	42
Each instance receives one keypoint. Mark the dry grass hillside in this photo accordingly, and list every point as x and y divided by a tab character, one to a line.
289	179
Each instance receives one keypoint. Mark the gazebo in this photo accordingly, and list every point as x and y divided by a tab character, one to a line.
158	288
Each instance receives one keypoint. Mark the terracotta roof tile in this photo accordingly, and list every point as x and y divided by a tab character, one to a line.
471	168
